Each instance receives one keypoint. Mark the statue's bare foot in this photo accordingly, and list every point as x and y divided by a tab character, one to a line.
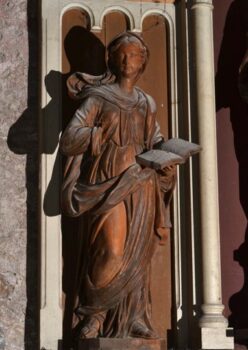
91	328
140	330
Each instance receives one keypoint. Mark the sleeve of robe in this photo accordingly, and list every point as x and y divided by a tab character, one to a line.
81	132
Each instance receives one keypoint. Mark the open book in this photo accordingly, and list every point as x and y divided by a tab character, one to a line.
173	151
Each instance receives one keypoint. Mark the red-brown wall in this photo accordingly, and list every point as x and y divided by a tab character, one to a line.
232	119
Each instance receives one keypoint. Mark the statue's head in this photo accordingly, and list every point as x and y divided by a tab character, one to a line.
123	43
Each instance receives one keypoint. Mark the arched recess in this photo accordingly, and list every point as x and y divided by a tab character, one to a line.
118	10
83	50
176	17
54	95
72	18
155	81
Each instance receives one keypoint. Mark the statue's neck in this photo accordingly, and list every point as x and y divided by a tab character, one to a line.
126	85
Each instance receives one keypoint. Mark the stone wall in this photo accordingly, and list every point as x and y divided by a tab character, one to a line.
18	175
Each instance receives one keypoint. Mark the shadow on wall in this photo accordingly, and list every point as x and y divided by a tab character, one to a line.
25	138
227	96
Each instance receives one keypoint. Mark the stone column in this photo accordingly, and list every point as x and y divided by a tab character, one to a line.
213	324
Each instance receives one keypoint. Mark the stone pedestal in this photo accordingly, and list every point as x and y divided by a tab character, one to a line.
122	344
218	338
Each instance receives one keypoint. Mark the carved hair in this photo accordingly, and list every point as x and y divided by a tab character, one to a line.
126	38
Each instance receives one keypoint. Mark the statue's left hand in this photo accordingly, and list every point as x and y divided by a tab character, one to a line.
169	170
167	177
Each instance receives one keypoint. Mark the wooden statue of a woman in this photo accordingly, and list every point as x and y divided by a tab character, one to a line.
123	207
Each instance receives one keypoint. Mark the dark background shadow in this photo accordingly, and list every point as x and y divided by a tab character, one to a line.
33	136
233	47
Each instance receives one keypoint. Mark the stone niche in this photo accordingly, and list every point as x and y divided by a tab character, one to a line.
181	64
83	50
81	32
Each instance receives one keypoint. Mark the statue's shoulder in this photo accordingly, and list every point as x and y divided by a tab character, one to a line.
92	93
81	85
150	100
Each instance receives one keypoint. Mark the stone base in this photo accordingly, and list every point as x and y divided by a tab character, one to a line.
217	338
122	344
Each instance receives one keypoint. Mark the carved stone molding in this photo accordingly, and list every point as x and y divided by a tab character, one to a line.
156	1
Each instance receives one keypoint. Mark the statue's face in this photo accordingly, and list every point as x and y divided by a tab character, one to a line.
129	60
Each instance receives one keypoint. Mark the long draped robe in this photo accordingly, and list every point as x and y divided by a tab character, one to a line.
101	143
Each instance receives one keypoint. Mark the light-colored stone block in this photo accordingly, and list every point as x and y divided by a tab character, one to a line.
217	338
